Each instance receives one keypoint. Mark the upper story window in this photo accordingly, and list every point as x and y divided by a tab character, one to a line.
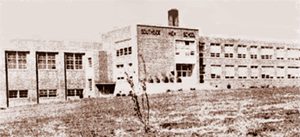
124	51
267	52
242	51
253	52
17	60
215	49
215	54
228	50
46	61
280	53
74	60
185	48
229	71
215	44
293	54
215	71
228	45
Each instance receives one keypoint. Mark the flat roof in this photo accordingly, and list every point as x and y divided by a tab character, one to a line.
170	27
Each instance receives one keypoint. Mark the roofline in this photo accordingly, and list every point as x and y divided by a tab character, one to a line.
171	27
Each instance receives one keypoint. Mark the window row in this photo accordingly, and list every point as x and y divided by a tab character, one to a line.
255	66
47	93
124	51
122	65
252	56
251	46
45	60
18	93
263	76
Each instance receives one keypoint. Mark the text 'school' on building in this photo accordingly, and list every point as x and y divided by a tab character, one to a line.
165	57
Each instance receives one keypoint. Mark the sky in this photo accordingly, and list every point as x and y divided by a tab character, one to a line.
85	20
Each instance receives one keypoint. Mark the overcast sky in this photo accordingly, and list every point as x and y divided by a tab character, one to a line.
86	19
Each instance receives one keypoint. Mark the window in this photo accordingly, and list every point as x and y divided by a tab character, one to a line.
74	61
118	53
42	62
215	49
18	93
267	72
121	52
48	93
280	72
184	70
267	52
216	71
185	48
293	72
120	78
280	53
46	61
254	72
70	61
242	51
11	60
266	56
13	94
78	61
120	66
125	51
22	60
229	71
129	50
17	60
228	45
228	55
71	92
253	56
241	55
51	61
75	92
242	72
43	93
23	93
90	84
215	54
214	44
52	93
228	51
90	62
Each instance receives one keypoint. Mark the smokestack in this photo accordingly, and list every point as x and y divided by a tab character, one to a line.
173	17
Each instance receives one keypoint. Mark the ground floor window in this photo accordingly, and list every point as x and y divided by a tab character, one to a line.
184	70
48	93
18	94
75	92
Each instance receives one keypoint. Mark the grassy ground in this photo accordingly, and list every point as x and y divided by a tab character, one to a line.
251	112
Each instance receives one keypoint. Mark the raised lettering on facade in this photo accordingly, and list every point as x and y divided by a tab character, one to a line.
150	31
189	34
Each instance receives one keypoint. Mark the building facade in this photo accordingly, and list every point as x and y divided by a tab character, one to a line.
165	58
38	71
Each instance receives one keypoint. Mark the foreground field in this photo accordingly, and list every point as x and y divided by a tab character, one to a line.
252	112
